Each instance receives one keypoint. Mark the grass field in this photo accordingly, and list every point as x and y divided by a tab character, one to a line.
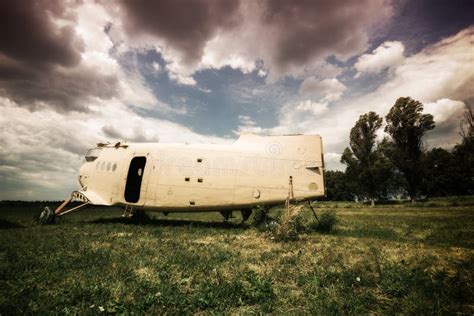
388	259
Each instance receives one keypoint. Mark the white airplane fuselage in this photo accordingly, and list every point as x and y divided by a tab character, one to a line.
182	177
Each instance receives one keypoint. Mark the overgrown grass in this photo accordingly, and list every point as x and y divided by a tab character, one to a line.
388	259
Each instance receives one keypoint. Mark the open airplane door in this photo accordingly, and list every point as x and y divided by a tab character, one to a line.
133	185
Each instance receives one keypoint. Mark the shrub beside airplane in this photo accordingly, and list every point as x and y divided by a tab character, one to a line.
254	170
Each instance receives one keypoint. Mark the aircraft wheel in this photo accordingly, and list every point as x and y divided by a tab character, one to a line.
47	216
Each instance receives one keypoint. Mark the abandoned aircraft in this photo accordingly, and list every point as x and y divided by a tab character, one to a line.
254	170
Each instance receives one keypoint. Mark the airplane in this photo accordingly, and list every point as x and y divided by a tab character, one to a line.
165	177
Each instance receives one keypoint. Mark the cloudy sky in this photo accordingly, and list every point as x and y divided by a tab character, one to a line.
76	73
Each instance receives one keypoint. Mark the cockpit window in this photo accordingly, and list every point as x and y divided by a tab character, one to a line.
92	154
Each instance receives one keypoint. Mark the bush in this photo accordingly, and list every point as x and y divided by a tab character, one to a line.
259	217
291	224
287	225
326	222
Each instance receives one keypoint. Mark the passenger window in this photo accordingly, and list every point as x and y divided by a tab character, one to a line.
140	171
102	166
114	167
109	165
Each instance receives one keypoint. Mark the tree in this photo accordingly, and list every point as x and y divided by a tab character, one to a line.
463	154
466	125
463	165
406	126
338	186
441	175
352	172
450	173
365	163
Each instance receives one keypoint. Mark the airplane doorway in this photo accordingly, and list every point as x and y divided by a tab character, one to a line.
134	179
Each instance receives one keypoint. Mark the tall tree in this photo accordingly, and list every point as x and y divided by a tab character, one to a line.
441	175
365	163
450	173
407	126
463	166
338	186
466	124
463	154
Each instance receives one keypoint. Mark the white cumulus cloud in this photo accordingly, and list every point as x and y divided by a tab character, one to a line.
315	108
387	55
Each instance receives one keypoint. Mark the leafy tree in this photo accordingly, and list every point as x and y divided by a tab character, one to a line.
466	125
440	174
406	126
365	163
463	154
450	173
463	166
338	186
352	172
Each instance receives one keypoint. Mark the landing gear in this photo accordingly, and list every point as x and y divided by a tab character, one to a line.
226	215
245	214
48	216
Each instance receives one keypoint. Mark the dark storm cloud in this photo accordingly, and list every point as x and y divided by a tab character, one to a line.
28	34
286	34
63	90
185	25
40	63
307	29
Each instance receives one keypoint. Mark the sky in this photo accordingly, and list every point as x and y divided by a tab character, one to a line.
74	73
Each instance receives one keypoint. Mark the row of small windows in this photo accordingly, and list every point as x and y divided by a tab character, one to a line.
105	166
187	179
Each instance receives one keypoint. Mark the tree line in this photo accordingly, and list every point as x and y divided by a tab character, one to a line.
400	166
